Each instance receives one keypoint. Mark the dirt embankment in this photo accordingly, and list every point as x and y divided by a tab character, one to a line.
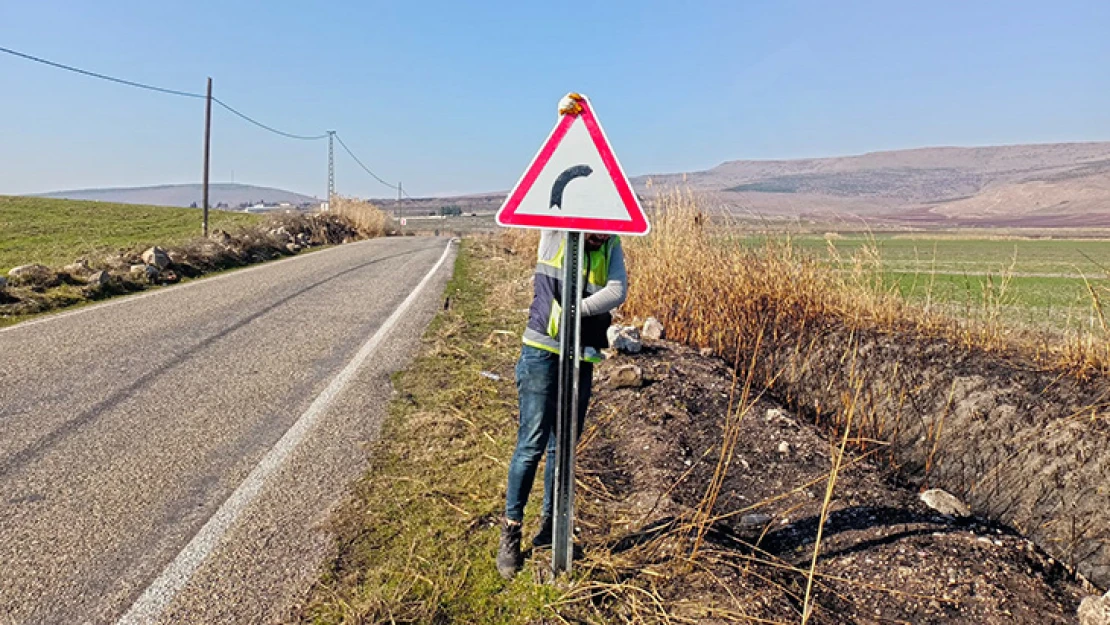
1026	447
649	455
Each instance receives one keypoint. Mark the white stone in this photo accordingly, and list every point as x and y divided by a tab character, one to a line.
77	268
1095	610
944	502
99	278
653	329
755	519
28	270
149	271
775	414
627	376
625	339
157	258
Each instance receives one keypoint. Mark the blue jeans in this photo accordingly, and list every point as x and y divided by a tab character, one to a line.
537	385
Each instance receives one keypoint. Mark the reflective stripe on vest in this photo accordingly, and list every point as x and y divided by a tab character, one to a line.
546	311
596	271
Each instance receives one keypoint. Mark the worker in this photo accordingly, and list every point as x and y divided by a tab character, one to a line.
537	374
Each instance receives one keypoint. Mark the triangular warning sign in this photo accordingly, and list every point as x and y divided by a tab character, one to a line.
575	183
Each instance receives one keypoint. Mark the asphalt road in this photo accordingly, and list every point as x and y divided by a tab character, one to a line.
172	457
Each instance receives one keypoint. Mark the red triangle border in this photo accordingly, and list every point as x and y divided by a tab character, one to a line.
638	225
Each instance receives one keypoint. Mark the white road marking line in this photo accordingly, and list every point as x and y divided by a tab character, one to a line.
115	301
154	600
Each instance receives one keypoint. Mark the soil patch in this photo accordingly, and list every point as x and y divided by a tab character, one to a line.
648	456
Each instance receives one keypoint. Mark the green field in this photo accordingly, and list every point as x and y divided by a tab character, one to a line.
1028	280
56	232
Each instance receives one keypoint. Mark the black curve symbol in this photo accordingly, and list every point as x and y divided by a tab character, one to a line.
578	171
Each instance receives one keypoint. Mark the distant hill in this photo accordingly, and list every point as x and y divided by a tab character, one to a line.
1040	185
186	194
1061	184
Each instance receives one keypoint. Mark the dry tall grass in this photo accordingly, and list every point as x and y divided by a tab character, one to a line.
370	220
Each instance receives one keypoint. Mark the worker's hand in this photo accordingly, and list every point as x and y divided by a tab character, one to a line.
569	105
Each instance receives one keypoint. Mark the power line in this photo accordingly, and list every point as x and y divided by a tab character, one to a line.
184	94
364	167
265	127
130	83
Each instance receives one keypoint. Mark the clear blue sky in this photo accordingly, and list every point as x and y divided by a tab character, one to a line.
450	96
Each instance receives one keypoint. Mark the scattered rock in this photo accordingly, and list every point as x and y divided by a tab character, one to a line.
784	448
757	519
24	271
625	339
80	267
1095	610
653	329
303	239
99	278
776	414
32	275
157	258
150	272
706	352
293	248
944	502
220	236
627	376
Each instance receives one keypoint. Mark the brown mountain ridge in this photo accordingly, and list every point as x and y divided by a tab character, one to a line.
1045	185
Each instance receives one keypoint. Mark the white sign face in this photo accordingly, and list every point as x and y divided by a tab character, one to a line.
575	183
589	193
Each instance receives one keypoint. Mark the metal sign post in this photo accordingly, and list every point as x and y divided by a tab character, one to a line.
566	424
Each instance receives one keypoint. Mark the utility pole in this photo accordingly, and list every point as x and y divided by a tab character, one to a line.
400	210
207	151
331	166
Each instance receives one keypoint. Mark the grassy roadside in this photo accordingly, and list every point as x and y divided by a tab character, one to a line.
42	229
55	232
416	542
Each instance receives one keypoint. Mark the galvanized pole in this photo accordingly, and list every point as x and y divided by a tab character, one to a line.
331	167
207	150
400	209
566	424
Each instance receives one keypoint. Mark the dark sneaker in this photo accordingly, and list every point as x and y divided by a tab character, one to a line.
509	558
543	537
